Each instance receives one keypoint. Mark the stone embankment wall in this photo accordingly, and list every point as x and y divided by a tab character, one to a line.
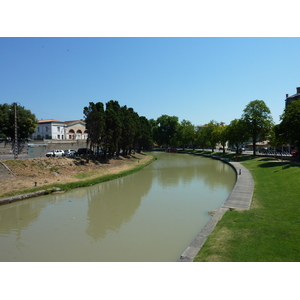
8	147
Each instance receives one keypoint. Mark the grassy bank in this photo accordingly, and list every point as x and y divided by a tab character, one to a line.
270	230
92	174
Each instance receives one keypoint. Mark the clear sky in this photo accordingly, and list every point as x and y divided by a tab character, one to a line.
197	79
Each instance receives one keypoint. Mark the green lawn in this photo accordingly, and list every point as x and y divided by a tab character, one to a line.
270	230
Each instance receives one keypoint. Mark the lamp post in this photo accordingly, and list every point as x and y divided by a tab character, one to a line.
16	132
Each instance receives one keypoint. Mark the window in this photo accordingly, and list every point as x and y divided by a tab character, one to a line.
58	129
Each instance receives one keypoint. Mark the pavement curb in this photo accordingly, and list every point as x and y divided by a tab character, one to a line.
239	198
28	195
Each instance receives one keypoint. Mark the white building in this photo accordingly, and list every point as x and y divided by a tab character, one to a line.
60	130
50	129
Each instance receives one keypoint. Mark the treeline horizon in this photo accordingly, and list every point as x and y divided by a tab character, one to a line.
116	128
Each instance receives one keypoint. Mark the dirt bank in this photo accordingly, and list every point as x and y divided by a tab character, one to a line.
42	172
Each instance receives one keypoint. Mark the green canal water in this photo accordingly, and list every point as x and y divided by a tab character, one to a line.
151	215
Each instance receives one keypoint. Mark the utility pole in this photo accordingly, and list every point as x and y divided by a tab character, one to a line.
16	132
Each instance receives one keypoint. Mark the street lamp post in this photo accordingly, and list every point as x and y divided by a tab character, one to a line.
16	132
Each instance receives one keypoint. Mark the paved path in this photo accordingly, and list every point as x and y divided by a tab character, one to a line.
240	198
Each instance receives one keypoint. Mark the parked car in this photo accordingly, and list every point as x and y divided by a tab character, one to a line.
83	151
294	153
70	153
98	152
55	153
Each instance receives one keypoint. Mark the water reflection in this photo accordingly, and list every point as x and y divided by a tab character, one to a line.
19	215
113	203
181	168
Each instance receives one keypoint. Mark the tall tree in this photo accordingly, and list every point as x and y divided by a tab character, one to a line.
113	126
95	124
223	135
289	128
144	137
237	133
212	134
129	120
185	133
258	121
166	130
26	121
201	137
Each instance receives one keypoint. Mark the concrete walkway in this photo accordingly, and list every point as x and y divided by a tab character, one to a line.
240	198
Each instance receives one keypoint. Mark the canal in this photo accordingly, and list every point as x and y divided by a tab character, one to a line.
151	215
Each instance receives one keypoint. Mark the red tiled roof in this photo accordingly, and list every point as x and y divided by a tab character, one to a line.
69	122
50	120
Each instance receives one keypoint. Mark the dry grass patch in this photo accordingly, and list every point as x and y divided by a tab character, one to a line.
47	171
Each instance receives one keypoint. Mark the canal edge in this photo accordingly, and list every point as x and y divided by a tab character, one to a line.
239	198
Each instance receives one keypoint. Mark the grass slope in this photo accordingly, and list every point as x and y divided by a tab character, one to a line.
84	178
270	230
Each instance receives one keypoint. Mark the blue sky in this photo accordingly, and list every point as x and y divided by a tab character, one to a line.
197	79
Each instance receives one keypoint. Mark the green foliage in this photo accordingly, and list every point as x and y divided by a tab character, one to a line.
186	133
258	121
224	135
116	128
166	129
113	125
95	123
237	133
26	121
289	128
210	134
144	137
130	123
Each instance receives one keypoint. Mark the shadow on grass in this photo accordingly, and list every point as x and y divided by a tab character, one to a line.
285	165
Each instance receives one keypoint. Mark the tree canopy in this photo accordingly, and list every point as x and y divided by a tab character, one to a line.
289	128
166	129
95	123
186	133
26	121
237	133
258	121
116	128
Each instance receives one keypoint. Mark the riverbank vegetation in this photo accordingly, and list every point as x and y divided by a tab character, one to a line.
269	231
65	173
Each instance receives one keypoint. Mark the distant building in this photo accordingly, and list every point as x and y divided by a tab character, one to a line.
76	130
61	130
292	98
50	129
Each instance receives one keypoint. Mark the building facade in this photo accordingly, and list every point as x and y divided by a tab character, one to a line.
50	129
292	98
60	130
76	130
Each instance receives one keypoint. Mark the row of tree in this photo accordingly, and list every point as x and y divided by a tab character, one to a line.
115	128
255	124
